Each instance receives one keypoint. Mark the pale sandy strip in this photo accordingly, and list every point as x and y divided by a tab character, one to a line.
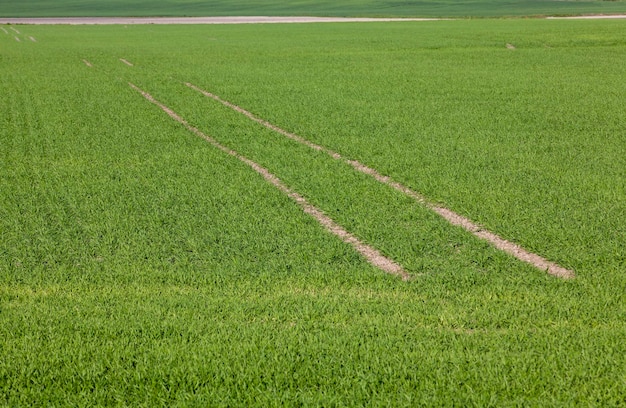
452	217
17	38
372	255
126	62
5	31
202	20
232	20
32	39
14	29
89	64
591	17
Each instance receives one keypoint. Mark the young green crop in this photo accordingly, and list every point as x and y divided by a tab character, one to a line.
141	266
524	141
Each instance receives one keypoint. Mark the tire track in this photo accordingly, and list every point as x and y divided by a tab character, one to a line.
372	255
453	218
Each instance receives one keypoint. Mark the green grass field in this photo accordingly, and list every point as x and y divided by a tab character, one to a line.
369	8
141	266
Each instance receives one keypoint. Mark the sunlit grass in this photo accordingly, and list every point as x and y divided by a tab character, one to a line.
141	266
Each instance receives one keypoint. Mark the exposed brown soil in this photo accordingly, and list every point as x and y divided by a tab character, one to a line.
502	244
452	217
264	122
372	255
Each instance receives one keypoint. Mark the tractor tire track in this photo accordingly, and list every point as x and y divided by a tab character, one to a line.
372	255
453	218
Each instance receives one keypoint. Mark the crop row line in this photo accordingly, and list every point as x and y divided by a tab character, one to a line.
372	255
452	217
18	39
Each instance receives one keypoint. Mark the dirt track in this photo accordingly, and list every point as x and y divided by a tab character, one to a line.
449	215
371	254
231	20
195	20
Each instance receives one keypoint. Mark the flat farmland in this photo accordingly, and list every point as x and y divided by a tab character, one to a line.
160	246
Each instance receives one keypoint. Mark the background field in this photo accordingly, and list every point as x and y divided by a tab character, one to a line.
369	8
141	266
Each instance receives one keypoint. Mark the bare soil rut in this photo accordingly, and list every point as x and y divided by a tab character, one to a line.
372	255
453	218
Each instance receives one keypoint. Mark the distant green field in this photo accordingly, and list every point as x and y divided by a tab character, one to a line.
141	266
370	8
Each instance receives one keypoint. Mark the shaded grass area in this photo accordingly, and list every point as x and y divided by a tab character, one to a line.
140	266
347	8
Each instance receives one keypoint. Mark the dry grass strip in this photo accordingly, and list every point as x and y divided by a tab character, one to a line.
126	62
89	64
372	255
453	218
